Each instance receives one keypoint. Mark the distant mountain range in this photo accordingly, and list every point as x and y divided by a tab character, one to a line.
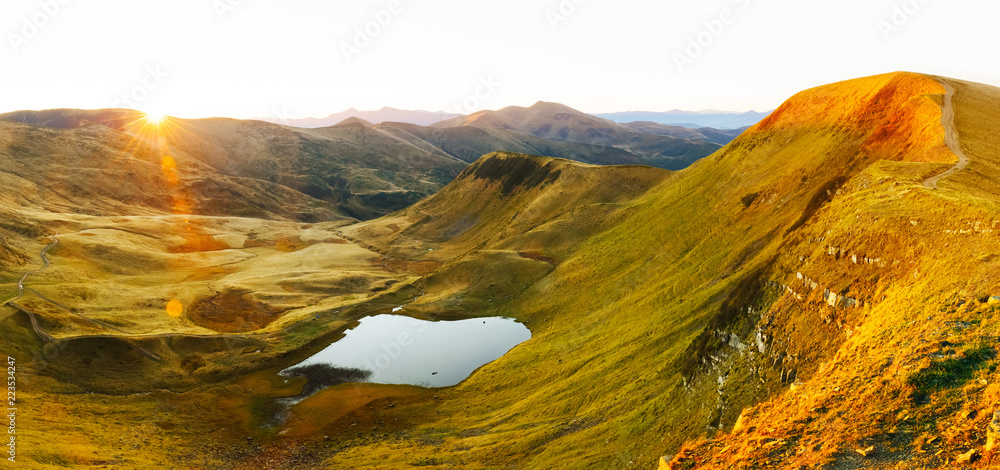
672	149
691	119
420	118
722	120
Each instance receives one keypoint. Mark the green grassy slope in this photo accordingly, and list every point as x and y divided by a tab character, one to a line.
638	331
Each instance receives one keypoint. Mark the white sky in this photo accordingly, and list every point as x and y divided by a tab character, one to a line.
284	58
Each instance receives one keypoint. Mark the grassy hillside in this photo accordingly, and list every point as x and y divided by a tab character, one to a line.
666	325
791	300
506	209
99	171
913	381
362	172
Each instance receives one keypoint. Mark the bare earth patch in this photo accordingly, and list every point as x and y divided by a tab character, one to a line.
229	312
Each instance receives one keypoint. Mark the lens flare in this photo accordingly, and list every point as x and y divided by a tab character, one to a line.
175	308
155	118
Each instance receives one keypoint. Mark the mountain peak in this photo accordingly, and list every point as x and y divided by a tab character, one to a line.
858	100
549	106
354	121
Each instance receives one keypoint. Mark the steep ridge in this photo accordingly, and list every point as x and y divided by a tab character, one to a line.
721	287
951	138
561	123
913	384
513	215
473	209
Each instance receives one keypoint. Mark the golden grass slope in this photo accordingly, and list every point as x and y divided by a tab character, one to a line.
954	229
795	297
98	171
914	385
696	267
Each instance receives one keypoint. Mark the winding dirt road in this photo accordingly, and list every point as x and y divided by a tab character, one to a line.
950	137
20	291
45	265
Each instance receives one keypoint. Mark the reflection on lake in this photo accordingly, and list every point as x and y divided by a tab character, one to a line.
403	350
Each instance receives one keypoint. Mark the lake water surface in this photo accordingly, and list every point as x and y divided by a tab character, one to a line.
403	350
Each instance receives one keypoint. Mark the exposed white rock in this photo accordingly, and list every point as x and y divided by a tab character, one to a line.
761	346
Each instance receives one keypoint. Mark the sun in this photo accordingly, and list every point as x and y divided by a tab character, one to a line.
154	117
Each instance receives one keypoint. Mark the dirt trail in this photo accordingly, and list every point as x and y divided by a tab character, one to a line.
950	137
20	291
45	265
